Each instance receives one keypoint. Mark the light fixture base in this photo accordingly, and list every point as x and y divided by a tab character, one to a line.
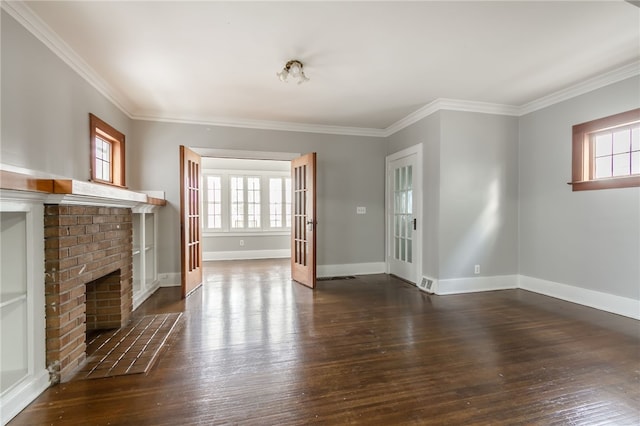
294	69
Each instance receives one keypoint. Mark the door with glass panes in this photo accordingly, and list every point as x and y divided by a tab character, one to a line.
402	217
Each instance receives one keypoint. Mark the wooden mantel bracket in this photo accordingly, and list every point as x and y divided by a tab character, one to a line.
21	182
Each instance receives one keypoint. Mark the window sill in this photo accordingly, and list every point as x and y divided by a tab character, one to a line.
621	182
206	233
104	182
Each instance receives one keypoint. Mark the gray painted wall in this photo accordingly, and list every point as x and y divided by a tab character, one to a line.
470	192
45	128
227	243
588	239
45	108
427	132
478	194
350	174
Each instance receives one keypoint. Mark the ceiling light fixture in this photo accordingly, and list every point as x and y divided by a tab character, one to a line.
293	68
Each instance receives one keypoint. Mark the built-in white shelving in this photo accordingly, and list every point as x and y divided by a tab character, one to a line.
145	275
23	375
23	194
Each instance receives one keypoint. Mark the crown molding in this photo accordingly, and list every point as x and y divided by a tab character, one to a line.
611	77
413	117
38	28
268	125
28	19
481	107
450	105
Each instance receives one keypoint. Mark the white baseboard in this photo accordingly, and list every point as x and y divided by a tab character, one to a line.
138	299
475	284
173	279
246	254
351	269
169	279
582	296
16	399
606	302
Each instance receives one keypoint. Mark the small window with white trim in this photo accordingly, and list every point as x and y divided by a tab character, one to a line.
213	202
279	202
247	201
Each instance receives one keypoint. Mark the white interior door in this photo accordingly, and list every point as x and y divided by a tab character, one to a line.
403	194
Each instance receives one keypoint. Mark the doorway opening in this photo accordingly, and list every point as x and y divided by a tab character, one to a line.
246	209
238	200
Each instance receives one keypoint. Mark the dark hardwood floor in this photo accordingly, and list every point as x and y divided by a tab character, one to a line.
255	348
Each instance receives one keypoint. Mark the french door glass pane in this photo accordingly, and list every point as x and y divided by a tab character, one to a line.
403	213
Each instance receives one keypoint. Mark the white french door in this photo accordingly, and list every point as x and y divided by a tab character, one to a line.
403	219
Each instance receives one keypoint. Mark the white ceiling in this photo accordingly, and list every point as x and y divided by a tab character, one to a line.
370	63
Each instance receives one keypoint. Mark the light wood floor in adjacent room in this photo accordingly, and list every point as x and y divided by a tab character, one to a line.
257	349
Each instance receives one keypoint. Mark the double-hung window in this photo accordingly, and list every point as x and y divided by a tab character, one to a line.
107	153
250	201
279	202
213	206
245	202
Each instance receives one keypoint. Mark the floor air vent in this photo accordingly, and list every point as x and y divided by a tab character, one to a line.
427	284
347	277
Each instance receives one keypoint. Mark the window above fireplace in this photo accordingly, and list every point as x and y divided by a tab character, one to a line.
107	153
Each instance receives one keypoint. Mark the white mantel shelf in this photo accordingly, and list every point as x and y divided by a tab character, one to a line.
71	191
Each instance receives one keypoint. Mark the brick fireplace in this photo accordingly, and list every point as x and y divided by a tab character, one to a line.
88	279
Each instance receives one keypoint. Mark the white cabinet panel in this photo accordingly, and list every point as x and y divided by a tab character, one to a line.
23	375
145	274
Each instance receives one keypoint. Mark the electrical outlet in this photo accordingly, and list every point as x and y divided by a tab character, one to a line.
361	210
241	243
476	269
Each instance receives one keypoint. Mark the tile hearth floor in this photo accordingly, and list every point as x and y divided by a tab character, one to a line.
129	350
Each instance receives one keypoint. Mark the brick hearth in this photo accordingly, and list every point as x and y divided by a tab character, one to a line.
84	244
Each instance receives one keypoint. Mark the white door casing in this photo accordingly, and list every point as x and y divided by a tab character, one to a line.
404	213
